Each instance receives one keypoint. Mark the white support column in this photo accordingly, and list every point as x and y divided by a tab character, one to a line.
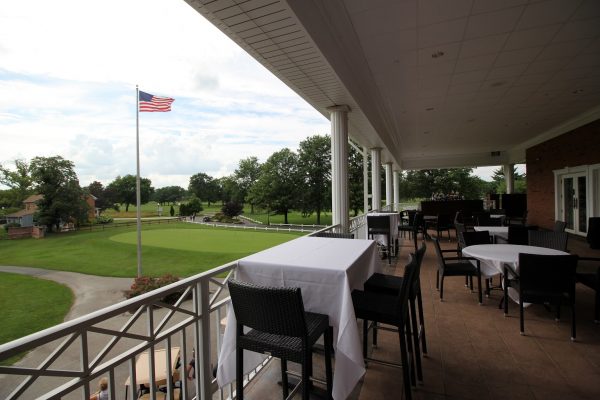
339	166
396	190
365	154
389	184
509	177
375	178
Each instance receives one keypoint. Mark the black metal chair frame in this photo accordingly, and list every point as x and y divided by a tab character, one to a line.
390	310
548	239
391	285
334	235
380	225
592	280
459	266
547	278
279	326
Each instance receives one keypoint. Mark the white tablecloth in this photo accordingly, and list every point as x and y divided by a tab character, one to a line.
493	257
394	222
495	231
326	270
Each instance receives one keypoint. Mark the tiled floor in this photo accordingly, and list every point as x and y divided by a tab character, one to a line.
475	352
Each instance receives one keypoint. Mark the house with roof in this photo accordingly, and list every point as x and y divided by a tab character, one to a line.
25	217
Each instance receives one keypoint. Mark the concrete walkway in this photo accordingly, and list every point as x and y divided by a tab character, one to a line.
91	292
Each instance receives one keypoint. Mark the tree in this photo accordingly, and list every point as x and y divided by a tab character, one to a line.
102	195
204	187
124	189
229	190
246	175
277	187
171	211
19	181
232	209
63	198
499	181
168	194
422	183
314	168
355	180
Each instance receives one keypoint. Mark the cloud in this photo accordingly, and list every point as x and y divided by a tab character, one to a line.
68	75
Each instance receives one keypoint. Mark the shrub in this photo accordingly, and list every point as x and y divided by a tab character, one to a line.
232	209
11	225
171	211
145	284
104	219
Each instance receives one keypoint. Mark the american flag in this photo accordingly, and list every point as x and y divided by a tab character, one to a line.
151	103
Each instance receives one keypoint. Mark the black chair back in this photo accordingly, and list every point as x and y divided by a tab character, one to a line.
473	238
486	220
549	239
378	224
275	310
408	281
518	234
593	235
559	226
438	252
334	235
547	274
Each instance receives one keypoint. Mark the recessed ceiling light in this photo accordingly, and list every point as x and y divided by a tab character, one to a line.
430	109
437	54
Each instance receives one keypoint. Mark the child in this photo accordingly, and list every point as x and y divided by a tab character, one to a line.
102	393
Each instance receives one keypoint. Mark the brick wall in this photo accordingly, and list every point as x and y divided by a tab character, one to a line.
580	146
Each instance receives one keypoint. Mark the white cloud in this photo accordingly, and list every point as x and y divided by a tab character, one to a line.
68	75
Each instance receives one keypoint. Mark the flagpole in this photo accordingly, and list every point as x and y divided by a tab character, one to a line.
137	182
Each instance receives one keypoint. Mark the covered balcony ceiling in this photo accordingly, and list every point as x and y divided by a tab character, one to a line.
434	83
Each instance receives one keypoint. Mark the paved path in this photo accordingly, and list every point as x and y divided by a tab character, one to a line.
91	292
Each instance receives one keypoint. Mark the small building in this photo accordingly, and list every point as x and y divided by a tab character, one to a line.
25	217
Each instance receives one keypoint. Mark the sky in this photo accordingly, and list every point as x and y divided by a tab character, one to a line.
68	76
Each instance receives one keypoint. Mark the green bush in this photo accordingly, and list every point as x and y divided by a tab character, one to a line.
145	284
104	219
232	209
11	225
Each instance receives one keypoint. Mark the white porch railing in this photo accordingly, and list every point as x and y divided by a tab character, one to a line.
70	358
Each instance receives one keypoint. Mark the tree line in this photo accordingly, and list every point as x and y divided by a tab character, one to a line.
288	180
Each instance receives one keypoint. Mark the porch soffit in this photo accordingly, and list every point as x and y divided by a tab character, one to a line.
435	83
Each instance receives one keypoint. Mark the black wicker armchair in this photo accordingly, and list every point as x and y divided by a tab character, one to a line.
278	326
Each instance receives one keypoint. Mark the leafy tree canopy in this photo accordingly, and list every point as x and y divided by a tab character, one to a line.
314	169
19	182
124	190
169	194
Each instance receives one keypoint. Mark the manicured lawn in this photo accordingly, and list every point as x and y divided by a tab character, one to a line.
29	305
180	249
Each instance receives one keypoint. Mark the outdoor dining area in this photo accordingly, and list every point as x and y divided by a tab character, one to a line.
477	312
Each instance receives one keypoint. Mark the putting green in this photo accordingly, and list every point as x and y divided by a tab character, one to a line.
206	240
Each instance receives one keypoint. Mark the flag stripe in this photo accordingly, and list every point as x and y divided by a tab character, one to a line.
151	103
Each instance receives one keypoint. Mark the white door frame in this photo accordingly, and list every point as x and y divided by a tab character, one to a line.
592	174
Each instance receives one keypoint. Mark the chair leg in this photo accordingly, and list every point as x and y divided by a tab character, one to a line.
422	322
597	306
239	375
505	293
414	327
284	379
306	374
573	322
365	337
437	280
328	369
479	288
442	287
521	317
405	364
374	333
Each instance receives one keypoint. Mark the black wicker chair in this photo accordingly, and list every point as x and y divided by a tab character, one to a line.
390	310
380	225
443	223
407	221
391	285
549	239
517	234
334	235
471	239
559	226
588	274
547	279
456	266
279	326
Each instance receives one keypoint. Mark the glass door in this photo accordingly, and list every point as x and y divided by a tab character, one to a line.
574	202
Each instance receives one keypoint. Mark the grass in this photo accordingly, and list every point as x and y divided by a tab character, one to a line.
180	249
29	305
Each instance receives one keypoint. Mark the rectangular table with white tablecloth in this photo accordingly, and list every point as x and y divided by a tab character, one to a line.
326	270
